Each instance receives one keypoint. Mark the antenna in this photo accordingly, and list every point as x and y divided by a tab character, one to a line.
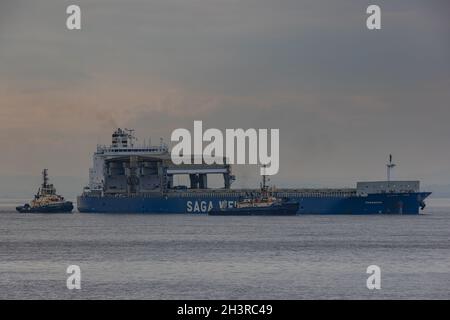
389	166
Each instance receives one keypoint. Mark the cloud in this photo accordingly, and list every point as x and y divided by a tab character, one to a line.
343	97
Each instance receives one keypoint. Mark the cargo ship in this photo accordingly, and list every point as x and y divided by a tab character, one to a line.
127	178
46	200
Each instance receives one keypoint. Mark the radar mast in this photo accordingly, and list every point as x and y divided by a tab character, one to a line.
389	166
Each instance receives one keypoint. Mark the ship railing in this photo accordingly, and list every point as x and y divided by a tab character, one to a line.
151	149
306	193
279	193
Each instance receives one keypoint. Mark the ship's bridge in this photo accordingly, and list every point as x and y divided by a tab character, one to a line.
123	142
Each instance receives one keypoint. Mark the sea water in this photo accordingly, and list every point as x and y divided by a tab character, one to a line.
133	256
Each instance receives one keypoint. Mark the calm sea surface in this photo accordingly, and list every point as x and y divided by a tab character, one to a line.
203	257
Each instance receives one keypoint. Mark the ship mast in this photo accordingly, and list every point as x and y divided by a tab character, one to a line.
389	166
44	178
264	181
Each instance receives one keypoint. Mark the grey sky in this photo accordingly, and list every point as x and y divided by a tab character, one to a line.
342	96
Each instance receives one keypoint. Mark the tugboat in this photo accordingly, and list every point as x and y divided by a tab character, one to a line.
46	200
264	204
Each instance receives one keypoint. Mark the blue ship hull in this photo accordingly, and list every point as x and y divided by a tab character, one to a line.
65	207
202	202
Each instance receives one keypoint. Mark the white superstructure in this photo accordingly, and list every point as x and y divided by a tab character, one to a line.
122	145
